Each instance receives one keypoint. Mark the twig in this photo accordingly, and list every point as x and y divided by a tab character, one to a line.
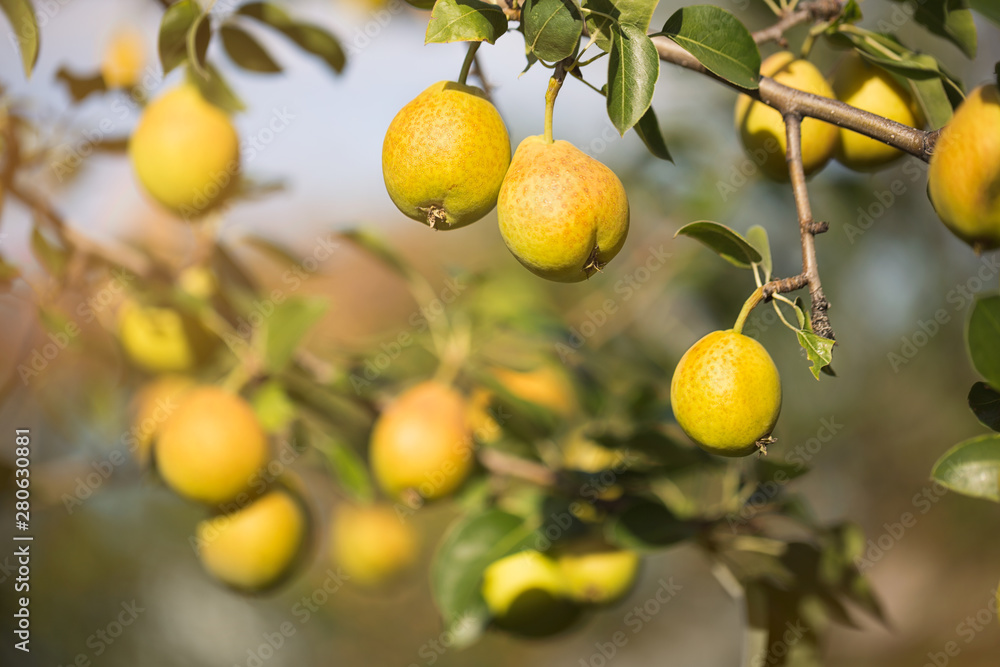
512	466
807	227
818	10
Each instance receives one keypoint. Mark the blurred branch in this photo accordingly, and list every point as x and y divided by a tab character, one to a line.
513	466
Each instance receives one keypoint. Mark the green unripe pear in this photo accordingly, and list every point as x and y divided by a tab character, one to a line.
873	89
562	214
599	576
528	594
763	131
726	393
964	176
444	156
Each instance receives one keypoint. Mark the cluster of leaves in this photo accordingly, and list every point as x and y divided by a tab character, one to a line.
973	467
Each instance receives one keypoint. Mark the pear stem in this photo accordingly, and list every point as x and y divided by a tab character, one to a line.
555	83
470	55
748	305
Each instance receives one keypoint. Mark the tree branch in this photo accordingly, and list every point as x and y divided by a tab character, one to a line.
513	466
789	100
807	227
817	10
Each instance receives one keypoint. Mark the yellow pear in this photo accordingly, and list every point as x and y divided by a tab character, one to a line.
162	340
124	58
152	406
562	214
763	131
599	575
726	393
423	442
873	89
185	151
444	156
256	546
212	448
372	544
545	386
529	594
964	176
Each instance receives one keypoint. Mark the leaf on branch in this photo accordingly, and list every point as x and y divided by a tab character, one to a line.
983	339
719	41
287	326
971	468
724	241
244	50
179	20
24	25
308	37
552	28
988	8
465	21
648	129
604	15
647	526
819	350
215	89
950	19
469	546
348	467
985	404
633	67
81	87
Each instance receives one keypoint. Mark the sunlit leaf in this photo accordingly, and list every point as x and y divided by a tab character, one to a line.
724	241
972	468
719	41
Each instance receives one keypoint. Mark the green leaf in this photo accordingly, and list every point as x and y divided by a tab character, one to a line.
647	526
246	51
719	41
983	338
934	102
81	87
819	350
605	15
757	237
21	16
648	129
308	37
725	242
950	19
8	272
988	8
272	406
50	255
215	89
971	468
177	22
633	68
552	28
465	21
286	327
985	404
469	546
198	37
348	467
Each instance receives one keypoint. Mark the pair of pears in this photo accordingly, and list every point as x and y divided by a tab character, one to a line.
446	162
856	83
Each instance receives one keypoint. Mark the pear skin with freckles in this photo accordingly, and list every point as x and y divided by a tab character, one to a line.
562	214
